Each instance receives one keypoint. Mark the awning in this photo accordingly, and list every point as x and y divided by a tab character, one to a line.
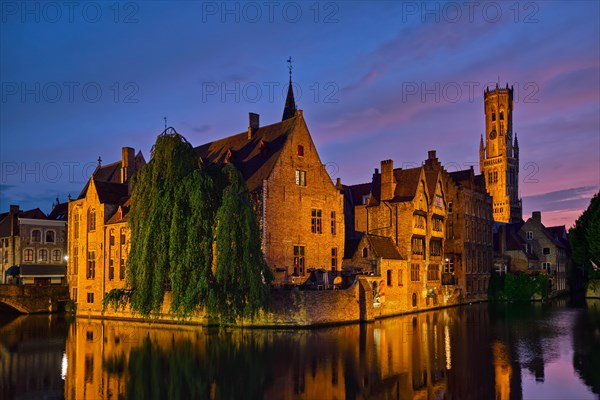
13	271
43	271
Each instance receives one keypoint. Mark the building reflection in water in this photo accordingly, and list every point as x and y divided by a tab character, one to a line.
31	355
396	358
471	352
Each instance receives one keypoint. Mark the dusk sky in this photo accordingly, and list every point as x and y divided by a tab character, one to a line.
376	80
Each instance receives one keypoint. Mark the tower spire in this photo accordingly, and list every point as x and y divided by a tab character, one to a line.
290	104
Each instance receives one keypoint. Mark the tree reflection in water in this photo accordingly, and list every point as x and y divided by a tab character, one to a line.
470	352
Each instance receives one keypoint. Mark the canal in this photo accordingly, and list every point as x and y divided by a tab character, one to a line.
524	351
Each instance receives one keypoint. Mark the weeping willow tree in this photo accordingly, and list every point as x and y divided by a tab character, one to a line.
157	188
180	213
241	272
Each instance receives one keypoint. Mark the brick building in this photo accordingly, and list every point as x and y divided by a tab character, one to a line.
98	236
409	207
469	245
530	247
33	245
300	209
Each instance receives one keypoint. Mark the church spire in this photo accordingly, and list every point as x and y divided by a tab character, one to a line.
290	104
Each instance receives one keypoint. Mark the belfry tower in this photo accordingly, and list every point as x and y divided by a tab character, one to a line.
499	155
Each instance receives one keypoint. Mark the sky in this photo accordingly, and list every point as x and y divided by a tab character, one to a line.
376	80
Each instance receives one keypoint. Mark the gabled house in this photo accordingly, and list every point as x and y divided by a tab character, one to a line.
98	235
300	210
408	206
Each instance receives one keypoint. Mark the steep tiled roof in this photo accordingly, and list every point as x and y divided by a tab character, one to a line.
384	247
59	212
351	245
106	173
355	193
36	213
407	183
431	177
461	176
111	193
255	157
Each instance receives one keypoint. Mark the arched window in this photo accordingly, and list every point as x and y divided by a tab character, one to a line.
111	241
91	220
36	236
56	255
43	255
365	252
50	237
501	115
414	299
123	236
493	115
28	255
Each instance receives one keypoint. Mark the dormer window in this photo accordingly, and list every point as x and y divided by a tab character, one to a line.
300	150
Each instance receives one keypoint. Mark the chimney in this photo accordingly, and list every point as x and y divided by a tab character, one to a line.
431	155
127	164
253	124
14	219
388	184
537	216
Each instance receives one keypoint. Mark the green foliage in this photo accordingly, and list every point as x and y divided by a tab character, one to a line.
517	287
179	215
117	299
585	238
241	272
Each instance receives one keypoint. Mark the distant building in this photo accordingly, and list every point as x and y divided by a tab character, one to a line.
469	246
529	247
499	157
33	245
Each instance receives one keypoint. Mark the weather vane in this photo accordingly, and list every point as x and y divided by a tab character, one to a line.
165	118
289	60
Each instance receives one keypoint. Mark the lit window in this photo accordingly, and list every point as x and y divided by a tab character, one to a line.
28	255
300	178
43	255
56	255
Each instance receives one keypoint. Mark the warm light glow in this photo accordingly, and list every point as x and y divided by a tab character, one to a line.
66	258
64	365
448	347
